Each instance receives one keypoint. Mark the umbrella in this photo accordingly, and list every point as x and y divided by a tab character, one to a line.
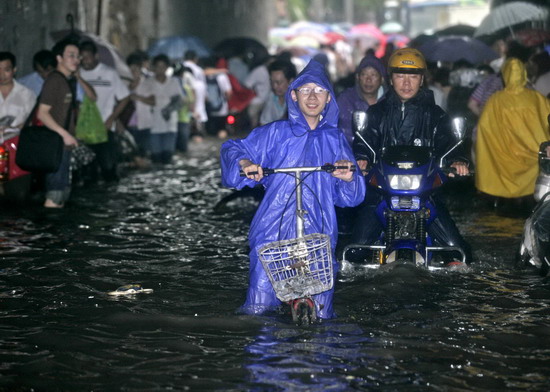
175	47
253	50
454	48
459	29
107	53
398	40
510	14
306	27
332	37
533	37
391	28
304	41
370	36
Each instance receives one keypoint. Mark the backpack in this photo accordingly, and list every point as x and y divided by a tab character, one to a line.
214	95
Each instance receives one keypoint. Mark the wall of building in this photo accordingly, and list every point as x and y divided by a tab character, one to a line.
26	26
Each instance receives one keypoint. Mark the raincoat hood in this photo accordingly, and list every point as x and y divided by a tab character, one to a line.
314	72
514	75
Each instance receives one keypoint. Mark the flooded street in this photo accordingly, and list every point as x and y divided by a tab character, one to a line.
401	329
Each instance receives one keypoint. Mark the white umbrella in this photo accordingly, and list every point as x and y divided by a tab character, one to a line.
509	14
391	27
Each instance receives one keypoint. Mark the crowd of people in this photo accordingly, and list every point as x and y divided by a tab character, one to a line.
165	104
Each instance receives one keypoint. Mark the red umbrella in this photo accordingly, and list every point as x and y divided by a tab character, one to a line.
533	37
332	37
370	35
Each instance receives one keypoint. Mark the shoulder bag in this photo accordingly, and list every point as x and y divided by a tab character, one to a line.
40	149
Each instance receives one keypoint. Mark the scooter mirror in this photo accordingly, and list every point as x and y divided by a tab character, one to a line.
458	125
360	120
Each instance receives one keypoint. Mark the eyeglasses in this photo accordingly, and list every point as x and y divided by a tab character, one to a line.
305	91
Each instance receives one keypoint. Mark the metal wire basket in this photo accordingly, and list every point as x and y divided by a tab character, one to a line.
298	267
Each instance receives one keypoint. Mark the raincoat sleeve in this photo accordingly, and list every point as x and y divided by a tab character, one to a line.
256	147
348	194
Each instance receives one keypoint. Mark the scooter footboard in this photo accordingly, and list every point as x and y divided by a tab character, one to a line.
361	246
428	249
446	249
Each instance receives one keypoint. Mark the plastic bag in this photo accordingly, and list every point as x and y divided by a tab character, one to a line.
89	126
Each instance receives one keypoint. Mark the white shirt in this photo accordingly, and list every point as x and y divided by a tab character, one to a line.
163	93
19	104
542	84
199	87
144	112
225	86
108	87
258	80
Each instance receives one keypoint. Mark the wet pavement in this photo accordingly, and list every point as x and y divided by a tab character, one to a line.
398	329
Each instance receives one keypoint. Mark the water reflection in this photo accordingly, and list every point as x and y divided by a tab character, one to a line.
320	357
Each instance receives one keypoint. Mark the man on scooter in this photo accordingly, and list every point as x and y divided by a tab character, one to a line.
408	115
310	137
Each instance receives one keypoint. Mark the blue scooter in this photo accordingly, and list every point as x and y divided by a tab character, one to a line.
406	176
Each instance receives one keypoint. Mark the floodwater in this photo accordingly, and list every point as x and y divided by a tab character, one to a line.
403	329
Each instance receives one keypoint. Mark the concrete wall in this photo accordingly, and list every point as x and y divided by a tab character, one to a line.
26	26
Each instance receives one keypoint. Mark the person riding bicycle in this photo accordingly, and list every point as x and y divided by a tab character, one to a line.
310	137
408	115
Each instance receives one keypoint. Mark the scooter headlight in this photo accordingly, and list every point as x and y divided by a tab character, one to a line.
405	182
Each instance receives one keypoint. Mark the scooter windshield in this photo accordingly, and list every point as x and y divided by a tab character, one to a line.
413	156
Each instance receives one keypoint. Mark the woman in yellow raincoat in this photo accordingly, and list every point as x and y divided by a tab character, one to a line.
512	126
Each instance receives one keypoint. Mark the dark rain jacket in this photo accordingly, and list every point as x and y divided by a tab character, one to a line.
417	122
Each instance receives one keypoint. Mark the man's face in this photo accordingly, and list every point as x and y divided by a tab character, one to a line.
89	60
279	83
7	71
312	104
43	72
70	59
369	80
159	69
406	85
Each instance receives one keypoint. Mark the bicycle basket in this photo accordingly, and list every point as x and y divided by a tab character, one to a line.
298	267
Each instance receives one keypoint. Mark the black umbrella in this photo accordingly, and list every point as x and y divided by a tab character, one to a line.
252	51
451	49
459	29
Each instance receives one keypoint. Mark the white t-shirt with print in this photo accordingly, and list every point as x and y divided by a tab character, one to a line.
163	93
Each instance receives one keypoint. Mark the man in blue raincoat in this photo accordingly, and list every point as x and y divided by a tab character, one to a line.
310	137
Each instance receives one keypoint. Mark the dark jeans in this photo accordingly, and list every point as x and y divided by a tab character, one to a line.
367	226
58	184
182	139
142	138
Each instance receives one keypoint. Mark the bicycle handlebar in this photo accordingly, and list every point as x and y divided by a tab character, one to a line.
329	168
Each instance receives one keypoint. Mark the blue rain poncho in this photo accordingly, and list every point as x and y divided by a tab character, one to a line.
291	143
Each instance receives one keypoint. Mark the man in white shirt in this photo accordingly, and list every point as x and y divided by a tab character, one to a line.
281	74
199	88
165	94
112	97
16	100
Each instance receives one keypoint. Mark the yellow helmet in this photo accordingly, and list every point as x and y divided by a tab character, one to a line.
407	60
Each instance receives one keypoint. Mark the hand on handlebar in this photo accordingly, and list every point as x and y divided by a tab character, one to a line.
251	170
461	169
363	165
343	174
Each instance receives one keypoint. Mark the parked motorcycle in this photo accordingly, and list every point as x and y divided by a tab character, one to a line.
535	243
406	177
15	183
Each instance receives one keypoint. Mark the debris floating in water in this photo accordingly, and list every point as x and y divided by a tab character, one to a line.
130	289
